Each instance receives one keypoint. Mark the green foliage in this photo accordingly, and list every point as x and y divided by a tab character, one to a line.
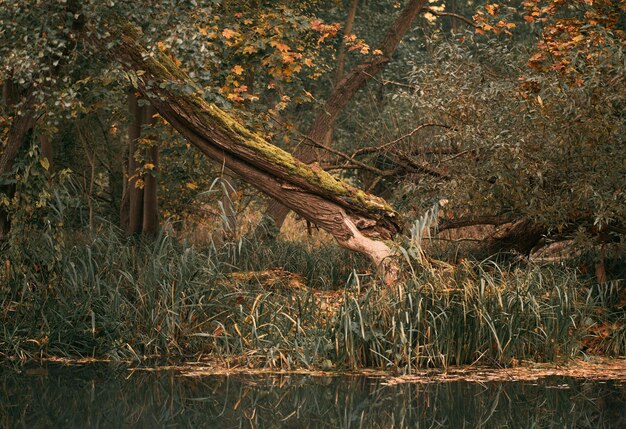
39	203
515	144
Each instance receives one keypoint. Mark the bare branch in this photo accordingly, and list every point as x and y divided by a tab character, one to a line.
450	14
391	82
372	149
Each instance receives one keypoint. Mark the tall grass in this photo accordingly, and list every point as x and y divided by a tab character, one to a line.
477	313
111	297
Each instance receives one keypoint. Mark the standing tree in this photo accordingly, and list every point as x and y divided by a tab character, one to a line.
345	90
139	206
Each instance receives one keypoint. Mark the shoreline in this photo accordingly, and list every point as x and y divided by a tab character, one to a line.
594	368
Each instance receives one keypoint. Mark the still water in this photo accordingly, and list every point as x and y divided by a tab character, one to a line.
106	396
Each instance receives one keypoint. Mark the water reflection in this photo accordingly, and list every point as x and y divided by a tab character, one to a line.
104	396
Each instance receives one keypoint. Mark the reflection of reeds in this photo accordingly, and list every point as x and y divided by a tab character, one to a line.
109	397
109	297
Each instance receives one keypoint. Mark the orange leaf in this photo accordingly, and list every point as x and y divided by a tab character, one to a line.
229	34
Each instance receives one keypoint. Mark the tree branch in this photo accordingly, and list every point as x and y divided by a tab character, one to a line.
372	149
450	14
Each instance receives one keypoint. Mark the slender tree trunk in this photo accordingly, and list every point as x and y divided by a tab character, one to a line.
359	221
347	30
345	90
132	212
341	61
150	223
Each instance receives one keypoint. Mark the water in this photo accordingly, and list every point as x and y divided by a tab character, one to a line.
106	396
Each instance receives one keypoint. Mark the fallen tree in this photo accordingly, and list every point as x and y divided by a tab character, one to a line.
357	220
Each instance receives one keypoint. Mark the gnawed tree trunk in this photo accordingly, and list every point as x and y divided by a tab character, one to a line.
345	90
507	234
358	221
521	236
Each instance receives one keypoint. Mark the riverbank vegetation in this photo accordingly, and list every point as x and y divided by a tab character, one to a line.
313	184
110	297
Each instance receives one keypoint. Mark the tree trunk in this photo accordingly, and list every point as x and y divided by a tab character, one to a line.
132	206
347	30
520	236
345	90
357	220
150	224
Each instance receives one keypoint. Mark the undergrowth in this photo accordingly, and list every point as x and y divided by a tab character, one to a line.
105	296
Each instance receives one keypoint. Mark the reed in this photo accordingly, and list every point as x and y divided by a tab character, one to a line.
111	297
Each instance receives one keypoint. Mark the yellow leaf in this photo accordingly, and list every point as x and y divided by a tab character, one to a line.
234	97
45	163
229	34
237	70
191	185
249	49
492	9
149	166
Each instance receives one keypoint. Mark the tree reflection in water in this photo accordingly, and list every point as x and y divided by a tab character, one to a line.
109	396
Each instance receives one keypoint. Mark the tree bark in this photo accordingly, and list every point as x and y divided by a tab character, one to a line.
345	90
132	206
347	30
358	221
150	223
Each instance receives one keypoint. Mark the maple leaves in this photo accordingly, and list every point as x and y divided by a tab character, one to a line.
274	44
574	34
486	23
325	31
